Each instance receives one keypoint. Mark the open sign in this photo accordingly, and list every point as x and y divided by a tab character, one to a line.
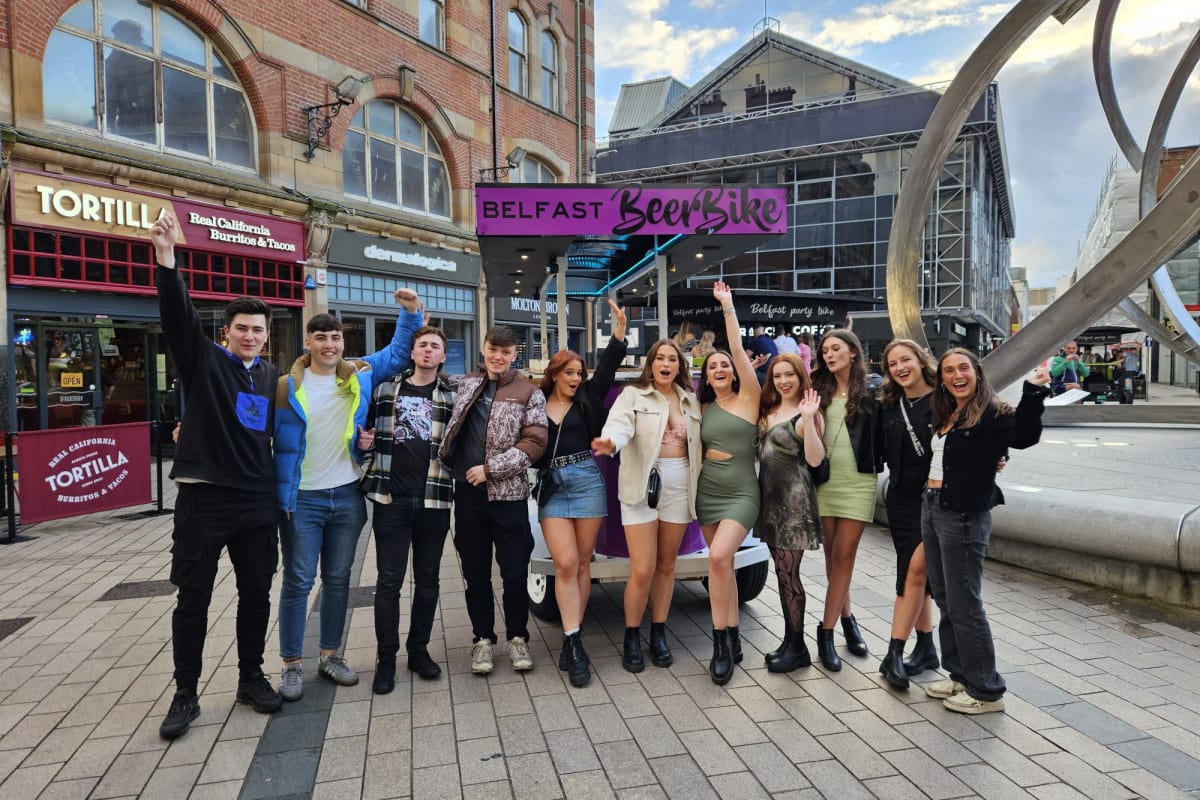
71	380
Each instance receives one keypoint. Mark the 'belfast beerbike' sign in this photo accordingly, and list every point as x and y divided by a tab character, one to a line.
66	472
519	210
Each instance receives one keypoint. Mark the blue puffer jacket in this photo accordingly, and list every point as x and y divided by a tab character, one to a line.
357	377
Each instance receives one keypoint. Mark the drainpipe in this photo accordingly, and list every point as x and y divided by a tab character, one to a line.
495	134
579	86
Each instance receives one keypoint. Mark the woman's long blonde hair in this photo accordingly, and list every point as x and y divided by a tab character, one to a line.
891	394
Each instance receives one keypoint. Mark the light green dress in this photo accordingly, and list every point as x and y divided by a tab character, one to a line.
848	493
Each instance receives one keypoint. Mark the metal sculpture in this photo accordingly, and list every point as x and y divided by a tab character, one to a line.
1164	230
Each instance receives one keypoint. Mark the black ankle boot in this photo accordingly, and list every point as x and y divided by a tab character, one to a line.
735	643
854	638
632	659
778	651
792	655
924	655
721	666
579	666
892	668
826	651
660	653
564	658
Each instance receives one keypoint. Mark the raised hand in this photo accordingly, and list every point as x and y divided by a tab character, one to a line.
603	447
366	439
723	294
810	403
163	235
407	298
759	360
619	319
1041	376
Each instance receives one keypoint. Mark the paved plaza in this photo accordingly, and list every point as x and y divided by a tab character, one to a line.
1104	697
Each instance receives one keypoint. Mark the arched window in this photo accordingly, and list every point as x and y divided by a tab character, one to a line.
534	171
391	158
549	71
136	72
518	53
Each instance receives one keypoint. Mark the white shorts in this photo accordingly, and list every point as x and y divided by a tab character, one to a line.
672	499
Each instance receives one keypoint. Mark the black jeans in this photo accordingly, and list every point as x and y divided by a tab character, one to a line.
209	518
480	525
955	547
398	524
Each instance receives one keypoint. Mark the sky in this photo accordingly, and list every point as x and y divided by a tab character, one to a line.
1059	144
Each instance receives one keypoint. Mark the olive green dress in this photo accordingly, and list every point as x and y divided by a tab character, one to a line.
848	493
727	489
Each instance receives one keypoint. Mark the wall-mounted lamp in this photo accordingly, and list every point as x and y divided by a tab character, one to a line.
513	159
320	118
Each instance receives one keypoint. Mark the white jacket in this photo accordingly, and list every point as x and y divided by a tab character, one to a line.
636	423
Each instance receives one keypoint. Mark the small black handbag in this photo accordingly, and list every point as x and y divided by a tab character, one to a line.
547	482
653	487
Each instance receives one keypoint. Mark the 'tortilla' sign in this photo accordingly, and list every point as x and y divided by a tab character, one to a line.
528	210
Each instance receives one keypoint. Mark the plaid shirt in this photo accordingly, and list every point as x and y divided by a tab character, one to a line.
377	482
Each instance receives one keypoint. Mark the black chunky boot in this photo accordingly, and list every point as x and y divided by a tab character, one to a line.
721	666
660	653
854	638
826	651
579	667
793	654
631	658
564	658
924	655
892	668
735	643
778	651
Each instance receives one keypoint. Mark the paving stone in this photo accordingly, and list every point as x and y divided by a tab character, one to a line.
497	790
1077	774
738	786
1163	760
1097	724
28	781
1103	758
832	779
296	731
642	793
795	743
990	783
510	699
432	708
587	786
387	775
1024	740
389	734
1008	761
624	764
930	775
936	744
572	751
349	719
537	777
735	725
1148	785
433	746
170	783
127	775
710	750
771	767
679	776
192	748
78	789
813	716
655	737
1036	690
58	746
342	758
30	730
228	761
878	735
604	723
894	787
849	749
556	712
481	760
758	705
436	783
336	790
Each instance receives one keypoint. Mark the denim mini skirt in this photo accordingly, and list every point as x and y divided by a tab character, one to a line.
581	493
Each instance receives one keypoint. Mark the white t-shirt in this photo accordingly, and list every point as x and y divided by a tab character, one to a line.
786	344
327	463
937	449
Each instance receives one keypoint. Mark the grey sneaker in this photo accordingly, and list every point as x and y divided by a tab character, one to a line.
335	668
518	651
291	682
481	657
944	688
963	703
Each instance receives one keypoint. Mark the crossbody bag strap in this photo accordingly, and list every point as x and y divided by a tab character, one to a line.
916	443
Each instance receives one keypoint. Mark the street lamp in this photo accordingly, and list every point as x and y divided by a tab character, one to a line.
513	161
319	118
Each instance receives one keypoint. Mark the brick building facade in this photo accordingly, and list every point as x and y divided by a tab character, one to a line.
112	109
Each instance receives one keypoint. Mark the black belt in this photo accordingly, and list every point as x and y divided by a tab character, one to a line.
574	458
933	492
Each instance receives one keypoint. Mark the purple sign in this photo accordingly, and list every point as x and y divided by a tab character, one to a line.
626	210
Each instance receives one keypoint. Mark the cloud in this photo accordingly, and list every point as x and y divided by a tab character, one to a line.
631	35
880	23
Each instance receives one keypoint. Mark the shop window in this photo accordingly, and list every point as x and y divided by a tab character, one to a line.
518	53
135	72
549	71
350	287
391	158
534	171
69	261
431	22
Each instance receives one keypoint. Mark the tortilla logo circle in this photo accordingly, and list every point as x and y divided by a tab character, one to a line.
87	470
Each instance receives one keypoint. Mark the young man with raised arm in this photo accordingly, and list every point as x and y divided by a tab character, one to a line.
497	431
320	406
224	471
411	491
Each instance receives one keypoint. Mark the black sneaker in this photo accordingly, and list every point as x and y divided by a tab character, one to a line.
385	676
185	707
258	694
423	664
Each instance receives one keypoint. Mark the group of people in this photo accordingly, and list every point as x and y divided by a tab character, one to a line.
431	445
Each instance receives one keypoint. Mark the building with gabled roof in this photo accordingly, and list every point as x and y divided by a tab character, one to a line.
839	135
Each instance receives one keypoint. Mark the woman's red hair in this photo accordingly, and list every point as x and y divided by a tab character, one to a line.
559	362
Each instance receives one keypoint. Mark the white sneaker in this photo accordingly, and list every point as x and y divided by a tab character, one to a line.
963	703
481	657
944	688
518	651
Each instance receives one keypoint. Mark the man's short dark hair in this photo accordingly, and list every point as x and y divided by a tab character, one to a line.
247	305
323	323
426	330
501	336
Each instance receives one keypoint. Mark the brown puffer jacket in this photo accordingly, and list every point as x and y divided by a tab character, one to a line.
516	431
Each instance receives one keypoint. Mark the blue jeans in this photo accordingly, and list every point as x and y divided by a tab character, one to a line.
325	525
955	546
